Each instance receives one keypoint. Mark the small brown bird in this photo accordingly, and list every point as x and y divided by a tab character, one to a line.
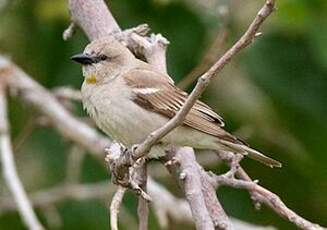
129	99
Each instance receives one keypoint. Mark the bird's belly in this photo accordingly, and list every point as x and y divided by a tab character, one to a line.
126	122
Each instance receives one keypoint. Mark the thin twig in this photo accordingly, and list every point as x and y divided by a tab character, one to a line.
115	207
204	80
215	50
258	193
268	198
9	169
143	204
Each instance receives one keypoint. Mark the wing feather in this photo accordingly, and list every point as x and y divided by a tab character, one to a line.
161	96
169	99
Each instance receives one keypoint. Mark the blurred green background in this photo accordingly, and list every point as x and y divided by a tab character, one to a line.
274	95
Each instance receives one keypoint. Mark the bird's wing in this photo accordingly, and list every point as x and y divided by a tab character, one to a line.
154	92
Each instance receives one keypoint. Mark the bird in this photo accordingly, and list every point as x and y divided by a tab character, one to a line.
129	98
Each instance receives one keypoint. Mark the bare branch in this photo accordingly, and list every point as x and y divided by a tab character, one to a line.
215	209
115	207
153	49
166	205
67	93
204	80
271	200
236	169
8	164
143	206
260	194
93	17
127	175
61	193
183	167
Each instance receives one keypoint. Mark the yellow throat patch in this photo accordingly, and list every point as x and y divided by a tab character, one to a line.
91	79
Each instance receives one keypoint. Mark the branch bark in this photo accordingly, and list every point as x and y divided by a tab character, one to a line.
183	167
215	209
8	164
271	200
143	207
115	207
61	193
93	18
259	193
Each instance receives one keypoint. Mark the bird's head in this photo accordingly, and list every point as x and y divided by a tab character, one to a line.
103	59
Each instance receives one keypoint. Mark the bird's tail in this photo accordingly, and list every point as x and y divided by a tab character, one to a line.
253	154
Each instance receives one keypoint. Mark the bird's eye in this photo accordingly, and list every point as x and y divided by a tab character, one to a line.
103	57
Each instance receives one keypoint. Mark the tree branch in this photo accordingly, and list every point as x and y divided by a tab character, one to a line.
61	193
182	165
216	211
204	80
260	194
93	18
143	207
115	206
8	164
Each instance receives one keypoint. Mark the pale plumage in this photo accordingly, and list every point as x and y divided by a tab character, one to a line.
130	99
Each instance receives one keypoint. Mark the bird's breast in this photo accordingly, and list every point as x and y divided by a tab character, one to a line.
115	113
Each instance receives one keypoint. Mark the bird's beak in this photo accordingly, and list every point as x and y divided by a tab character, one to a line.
83	59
